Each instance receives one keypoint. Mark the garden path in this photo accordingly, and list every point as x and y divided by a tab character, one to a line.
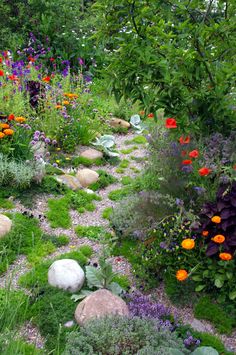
120	264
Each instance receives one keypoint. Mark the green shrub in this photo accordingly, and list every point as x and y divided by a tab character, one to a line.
122	336
105	180
208	310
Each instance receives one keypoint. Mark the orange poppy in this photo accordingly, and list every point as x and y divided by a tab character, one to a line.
225	256
204	171
66	102
186	162
46	79
205	233
188	244
183	140
216	219
8	132
58	106
142	113
194	154
181	275
171	123
150	115
219	239
11	117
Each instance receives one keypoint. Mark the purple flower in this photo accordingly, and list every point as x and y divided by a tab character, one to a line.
47	140
81	62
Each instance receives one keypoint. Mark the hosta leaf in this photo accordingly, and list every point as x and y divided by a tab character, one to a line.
94	277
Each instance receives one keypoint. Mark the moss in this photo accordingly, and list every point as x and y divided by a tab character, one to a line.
136	170
136	140
120	171
58	241
107	212
6	204
25	238
206	309
126	180
76	161
129	150
119	194
58	213
124	164
40	251
81	200
92	232
105	180
211	340
86	250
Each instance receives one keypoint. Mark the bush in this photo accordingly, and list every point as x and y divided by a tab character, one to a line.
122	336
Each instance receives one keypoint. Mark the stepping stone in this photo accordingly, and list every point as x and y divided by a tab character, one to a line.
92	154
99	304
66	274
118	122
70	181
87	177
5	225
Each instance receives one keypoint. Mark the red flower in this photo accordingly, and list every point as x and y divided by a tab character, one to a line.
204	171
1	73
234	167
150	115
0	60
183	153
11	117
194	154
12	77
171	123
5	54
187	162
183	140
31	59
46	79
52	59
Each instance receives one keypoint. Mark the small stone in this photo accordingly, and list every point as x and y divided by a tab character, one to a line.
70	181
118	122
66	274
99	304
69	324
92	154
87	177
5	225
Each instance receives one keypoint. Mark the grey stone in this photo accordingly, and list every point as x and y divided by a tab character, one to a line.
87	177
92	154
5	225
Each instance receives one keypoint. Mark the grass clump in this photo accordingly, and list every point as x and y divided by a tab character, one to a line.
119	194
120	170
92	232
126	180
6	204
214	313
105	180
107	212
129	150
58	213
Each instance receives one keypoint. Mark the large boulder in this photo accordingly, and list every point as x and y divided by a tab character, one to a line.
66	274
118	122
99	304
92	154
70	181
5	225
87	177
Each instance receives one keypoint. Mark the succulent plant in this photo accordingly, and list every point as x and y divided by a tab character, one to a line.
136	123
225	209
107	142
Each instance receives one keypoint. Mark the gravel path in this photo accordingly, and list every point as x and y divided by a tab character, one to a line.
28	331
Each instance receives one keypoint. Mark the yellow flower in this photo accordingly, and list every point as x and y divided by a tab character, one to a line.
188	243
20	119
58	149
67	158
57	161
58	106
2	135
66	102
8	132
219	239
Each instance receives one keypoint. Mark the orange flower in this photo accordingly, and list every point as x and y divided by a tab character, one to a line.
150	115
142	113
58	106
194	154
183	140
181	275
225	256
205	233
4	125
216	219
171	123
65	102
2	135
219	239
186	162
188	244
12	77
46	79
11	117
20	119
8	132
204	171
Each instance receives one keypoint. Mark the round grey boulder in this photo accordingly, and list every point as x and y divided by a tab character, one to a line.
5	225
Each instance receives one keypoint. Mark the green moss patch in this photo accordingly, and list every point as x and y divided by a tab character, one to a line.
126	180
107	212
76	161
58	213
119	194
136	140
105	180
92	232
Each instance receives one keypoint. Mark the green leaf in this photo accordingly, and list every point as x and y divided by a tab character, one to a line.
232	295
219	283
197	278
200	288
94	277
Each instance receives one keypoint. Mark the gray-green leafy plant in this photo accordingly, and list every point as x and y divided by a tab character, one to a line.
137	123
107	143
